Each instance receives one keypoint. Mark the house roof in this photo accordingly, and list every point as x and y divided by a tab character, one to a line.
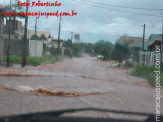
128	39
138	43
54	41
39	33
156	41
154	37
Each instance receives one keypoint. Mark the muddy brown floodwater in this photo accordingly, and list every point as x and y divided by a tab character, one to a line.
74	83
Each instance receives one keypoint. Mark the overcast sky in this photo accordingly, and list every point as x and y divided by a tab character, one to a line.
94	23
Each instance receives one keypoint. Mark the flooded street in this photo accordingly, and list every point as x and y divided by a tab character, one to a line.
92	82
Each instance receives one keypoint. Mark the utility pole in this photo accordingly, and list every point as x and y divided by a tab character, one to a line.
143	38
25	38
36	28
8	44
59	32
162	44
72	36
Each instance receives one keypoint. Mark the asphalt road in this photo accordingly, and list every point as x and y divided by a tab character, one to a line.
118	90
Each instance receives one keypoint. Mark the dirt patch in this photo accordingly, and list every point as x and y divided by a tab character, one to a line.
6	87
142	84
108	61
83	76
47	92
23	75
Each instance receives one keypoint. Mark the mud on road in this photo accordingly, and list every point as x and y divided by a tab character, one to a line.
93	83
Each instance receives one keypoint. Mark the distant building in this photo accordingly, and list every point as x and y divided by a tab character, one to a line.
30	33
147	56
128	39
77	38
16	29
54	43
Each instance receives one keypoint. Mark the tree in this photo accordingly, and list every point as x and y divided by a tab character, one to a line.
76	49
34	37
103	47
87	47
104	52
42	37
68	45
121	51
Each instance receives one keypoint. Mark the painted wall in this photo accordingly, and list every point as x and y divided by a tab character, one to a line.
1	49
35	48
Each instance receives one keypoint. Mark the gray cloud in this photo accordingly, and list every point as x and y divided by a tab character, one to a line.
94	23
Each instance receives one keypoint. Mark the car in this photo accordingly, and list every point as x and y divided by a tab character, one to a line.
100	56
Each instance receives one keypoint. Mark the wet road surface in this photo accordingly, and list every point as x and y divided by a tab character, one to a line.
119	91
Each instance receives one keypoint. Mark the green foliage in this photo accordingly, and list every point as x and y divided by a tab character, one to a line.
55	51
42	37
104	51
14	59
121	51
87	47
34	60
67	44
148	73
104	48
53	60
34	37
76	48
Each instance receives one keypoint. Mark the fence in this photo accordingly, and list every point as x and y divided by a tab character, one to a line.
146	58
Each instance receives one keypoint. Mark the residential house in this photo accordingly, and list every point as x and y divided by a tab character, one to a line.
16	30
152	46
16	37
146	57
54	43
152	49
136	47
154	37
129	39
30	33
16	34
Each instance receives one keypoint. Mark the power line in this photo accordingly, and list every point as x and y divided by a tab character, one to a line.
120	6
124	26
116	9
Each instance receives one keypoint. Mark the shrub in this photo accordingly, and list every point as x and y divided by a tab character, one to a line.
14	59
148	73
53	60
35	60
